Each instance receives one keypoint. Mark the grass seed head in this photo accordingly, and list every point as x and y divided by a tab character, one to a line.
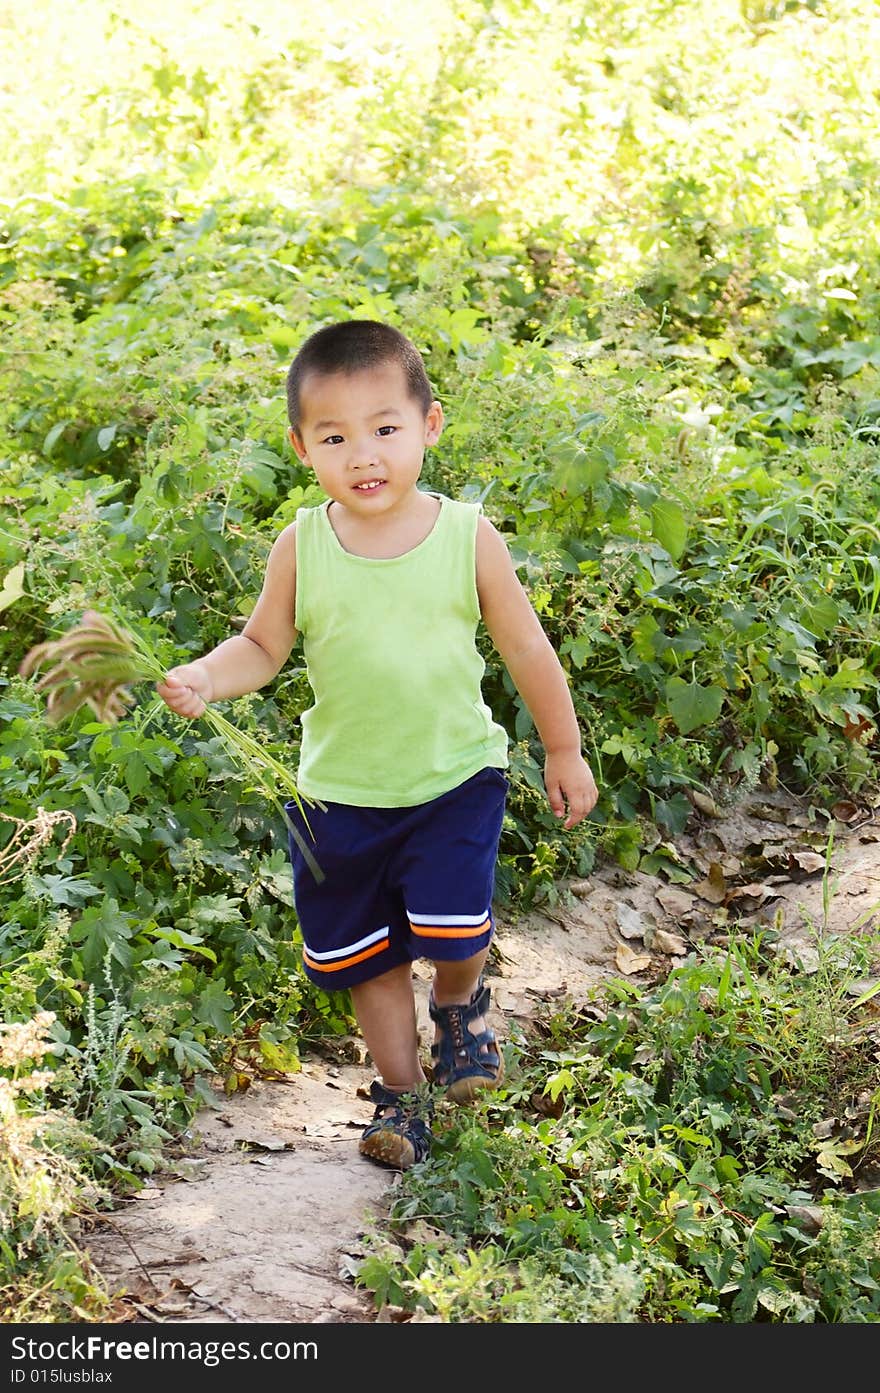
93	665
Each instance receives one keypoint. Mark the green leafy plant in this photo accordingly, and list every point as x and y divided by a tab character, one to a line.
96	663
696	1144
654	339
43	1157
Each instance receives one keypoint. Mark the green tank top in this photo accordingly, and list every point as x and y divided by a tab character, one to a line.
398	716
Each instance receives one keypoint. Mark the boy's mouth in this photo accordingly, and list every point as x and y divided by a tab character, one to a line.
368	485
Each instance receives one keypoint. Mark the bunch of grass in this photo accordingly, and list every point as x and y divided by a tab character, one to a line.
92	665
96	664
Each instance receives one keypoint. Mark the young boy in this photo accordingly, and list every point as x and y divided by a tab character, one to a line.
387	583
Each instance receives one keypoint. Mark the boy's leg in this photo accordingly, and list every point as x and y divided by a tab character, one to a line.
465	1050
455	984
352	926
447	878
399	1134
386	1013
456	981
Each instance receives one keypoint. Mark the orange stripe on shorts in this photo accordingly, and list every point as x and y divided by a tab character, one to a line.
438	931
345	962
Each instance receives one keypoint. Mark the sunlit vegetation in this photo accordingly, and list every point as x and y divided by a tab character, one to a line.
637	244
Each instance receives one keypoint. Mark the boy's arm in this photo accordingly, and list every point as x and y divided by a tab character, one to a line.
537	673
253	657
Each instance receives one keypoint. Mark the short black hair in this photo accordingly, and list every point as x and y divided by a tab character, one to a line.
350	346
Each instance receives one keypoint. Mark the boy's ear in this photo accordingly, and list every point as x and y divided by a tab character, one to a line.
433	423
298	444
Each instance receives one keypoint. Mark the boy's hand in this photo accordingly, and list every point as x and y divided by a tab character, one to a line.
569	781
186	689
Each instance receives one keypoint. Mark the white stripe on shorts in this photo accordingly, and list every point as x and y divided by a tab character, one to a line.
438	919
352	947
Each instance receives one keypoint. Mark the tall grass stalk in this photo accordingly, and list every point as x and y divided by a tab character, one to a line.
97	662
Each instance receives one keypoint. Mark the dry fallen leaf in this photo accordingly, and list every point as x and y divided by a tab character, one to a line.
825	1128
629	962
811	1216
755	890
675	902
393	1315
191	1168
268	1144
772	853
668	943
421	1232
714	887
547	1106
809	861
349	1267
629	921
802	956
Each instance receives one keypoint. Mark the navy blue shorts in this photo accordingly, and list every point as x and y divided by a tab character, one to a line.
399	883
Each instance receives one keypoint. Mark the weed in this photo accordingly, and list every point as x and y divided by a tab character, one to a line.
682	1147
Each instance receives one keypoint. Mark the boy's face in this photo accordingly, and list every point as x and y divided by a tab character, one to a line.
365	436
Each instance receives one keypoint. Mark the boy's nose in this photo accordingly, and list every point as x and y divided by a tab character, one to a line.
363	455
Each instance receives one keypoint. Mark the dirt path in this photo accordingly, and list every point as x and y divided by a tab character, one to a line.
260	1221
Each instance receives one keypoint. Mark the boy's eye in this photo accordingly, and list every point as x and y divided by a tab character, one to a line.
386	430
331	440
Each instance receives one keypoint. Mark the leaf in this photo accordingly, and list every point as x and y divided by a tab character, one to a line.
714	887
236	1081
209	911
664	862
53	436
669	943
691	705
106	436
669	526
269	1144
628	961
191	943
629	921
832	1164
136	773
104	930
13	586
705	803
673	813
65	889
809	861
804	637
214	1006
576	469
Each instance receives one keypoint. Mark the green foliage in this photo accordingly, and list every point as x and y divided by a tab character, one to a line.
648	304
688	1153
43	1159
